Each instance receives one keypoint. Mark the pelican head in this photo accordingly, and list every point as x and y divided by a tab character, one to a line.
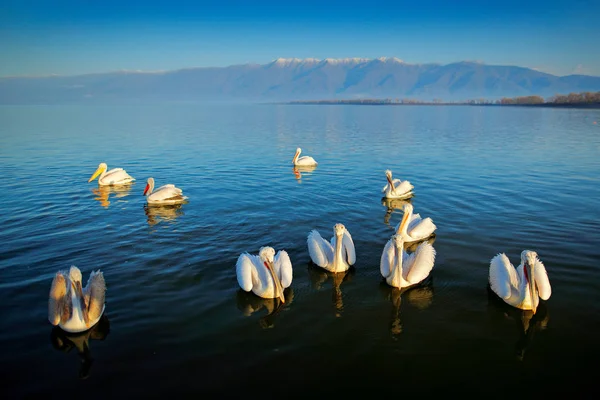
388	175
298	151
149	186
528	259
339	229
267	255
408	209
102	167
75	278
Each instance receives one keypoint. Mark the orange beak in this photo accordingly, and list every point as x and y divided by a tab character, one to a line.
146	190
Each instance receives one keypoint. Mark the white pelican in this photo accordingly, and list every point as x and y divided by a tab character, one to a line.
304	160
413	228
395	188
72	308
403	270
521	287
267	274
336	256
116	176
164	195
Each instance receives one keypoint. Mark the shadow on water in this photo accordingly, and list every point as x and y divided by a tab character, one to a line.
65	342
526	321
103	193
318	276
300	169
419	296
249	303
159	213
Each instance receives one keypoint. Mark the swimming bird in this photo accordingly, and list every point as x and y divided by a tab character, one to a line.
413	228
116	176
403	270
304	160
395	188
164	195
267	274
521	287
72	308
336	256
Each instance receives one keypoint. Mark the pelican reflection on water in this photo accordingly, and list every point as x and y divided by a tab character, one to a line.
319	276
248	303
420	297
303	169
105	192
166	213
527	322
65	342
392	205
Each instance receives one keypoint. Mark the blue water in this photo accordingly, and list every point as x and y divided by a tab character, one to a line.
176	323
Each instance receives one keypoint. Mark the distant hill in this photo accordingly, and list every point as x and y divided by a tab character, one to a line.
298	79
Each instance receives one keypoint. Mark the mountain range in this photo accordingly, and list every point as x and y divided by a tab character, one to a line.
288	79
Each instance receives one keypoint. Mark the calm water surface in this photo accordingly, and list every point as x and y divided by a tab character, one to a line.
492	179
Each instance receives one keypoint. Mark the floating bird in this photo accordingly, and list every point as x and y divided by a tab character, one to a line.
336	256
164	195
395	188
267	274
413	228
116	176
521	287
403	270
304	160
72	308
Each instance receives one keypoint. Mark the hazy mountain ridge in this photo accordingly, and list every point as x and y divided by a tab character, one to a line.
298	79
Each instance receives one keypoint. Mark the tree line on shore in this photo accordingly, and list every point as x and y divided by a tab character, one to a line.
559	99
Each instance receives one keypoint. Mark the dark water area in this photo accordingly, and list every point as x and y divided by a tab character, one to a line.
493	179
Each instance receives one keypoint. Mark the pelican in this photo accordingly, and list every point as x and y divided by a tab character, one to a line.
304	160
72	308
267	274
336	256
521	287
164	195
401	269
395	188
116	176
413	228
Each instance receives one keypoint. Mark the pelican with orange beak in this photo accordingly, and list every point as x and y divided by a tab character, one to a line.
304	160
413	228
337	255
395	188
164	195
267	274
116	176
520	287
73	308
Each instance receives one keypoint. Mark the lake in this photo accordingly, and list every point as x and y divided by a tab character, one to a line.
493	179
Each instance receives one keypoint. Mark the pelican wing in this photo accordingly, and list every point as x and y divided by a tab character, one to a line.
420	263
387	259
348	246
57	299
321	251
116	175
424	228
283	268
166	192
402	186
94	295
244	267
503	276
541	280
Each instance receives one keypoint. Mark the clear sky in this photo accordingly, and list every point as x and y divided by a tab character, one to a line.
82	36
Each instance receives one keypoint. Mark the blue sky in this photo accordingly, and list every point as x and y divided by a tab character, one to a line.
72	37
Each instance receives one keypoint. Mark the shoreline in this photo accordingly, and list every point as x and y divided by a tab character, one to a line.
383	103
